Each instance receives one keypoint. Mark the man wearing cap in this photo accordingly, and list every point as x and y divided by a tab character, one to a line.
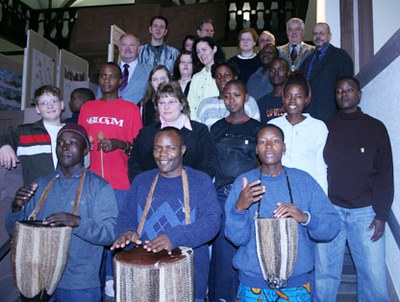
94	224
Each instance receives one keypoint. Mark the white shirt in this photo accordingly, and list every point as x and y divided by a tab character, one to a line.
305	144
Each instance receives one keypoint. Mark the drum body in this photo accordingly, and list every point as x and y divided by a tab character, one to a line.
142	276
276	240
38	256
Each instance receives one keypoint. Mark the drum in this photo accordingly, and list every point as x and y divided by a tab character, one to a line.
38	256
276	240
142	276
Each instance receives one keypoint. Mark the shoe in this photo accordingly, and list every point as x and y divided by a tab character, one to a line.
109	288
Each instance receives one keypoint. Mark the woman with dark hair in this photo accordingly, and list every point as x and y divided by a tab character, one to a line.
158	75
172	110
235	138
203	85
305	135
187	44
183	70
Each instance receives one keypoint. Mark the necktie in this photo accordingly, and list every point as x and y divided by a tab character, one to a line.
293	54
125	76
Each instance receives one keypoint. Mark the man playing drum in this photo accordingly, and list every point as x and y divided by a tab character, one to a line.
93	225
277	192
165	226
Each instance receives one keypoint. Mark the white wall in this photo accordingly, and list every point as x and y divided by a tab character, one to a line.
386	21
381	100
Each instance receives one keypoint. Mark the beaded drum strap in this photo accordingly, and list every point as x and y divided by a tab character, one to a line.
47	190
185	184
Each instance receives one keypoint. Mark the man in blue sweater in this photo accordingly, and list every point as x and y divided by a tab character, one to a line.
92	227
165	227
281	192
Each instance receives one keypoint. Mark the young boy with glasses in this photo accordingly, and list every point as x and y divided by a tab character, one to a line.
34	145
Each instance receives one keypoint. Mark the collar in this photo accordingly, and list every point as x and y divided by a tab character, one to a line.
77	174
182	122
351	116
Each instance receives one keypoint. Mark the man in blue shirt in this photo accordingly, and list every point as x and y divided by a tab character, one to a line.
93	226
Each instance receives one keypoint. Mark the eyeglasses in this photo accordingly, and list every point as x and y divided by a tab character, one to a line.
246	39
346	91
47	103
169	103
220	76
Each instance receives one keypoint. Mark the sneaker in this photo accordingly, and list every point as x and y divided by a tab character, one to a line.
109	288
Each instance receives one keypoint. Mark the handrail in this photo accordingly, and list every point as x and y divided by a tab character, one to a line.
4	249
394	227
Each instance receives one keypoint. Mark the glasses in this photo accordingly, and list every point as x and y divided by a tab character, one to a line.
223	76
185	62
47	103
246	39
169	103
346	90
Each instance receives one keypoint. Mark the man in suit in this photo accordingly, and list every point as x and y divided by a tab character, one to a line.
296	51
323	68
134	89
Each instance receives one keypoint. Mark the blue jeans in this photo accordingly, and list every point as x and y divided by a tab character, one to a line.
369	258
78	295
223	279
120	196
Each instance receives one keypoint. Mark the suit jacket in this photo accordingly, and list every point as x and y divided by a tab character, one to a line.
305	51
323	77
137	85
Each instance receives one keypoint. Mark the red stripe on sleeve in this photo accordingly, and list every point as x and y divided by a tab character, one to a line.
31	139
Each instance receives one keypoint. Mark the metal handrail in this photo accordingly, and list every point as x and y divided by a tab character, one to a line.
4	249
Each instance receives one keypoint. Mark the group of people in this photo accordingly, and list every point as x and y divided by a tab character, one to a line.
275	134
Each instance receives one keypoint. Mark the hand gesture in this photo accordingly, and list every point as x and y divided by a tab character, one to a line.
126	239
108	145
161	242
22	196
284	210
379	229
8	158
250	194
62	218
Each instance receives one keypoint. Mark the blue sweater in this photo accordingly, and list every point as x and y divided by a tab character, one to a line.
307	196
166	215
98	212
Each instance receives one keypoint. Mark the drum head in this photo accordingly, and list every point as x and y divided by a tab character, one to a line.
140	256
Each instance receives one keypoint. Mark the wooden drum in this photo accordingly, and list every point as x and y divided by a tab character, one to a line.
145	276
38	256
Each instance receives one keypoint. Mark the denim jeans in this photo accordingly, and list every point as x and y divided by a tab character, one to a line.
369	258
79	295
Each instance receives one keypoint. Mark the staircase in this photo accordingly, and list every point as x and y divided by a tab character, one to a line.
348	285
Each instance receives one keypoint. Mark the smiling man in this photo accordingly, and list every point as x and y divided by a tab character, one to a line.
157	52
360	181
296	51
93	225
165	227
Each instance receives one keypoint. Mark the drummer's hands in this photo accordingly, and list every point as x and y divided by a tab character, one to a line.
251	193
161	242
61	219
22	197
126	239
284	210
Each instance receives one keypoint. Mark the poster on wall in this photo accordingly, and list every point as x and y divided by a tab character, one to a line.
40	66
73	74
10	84
115	34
